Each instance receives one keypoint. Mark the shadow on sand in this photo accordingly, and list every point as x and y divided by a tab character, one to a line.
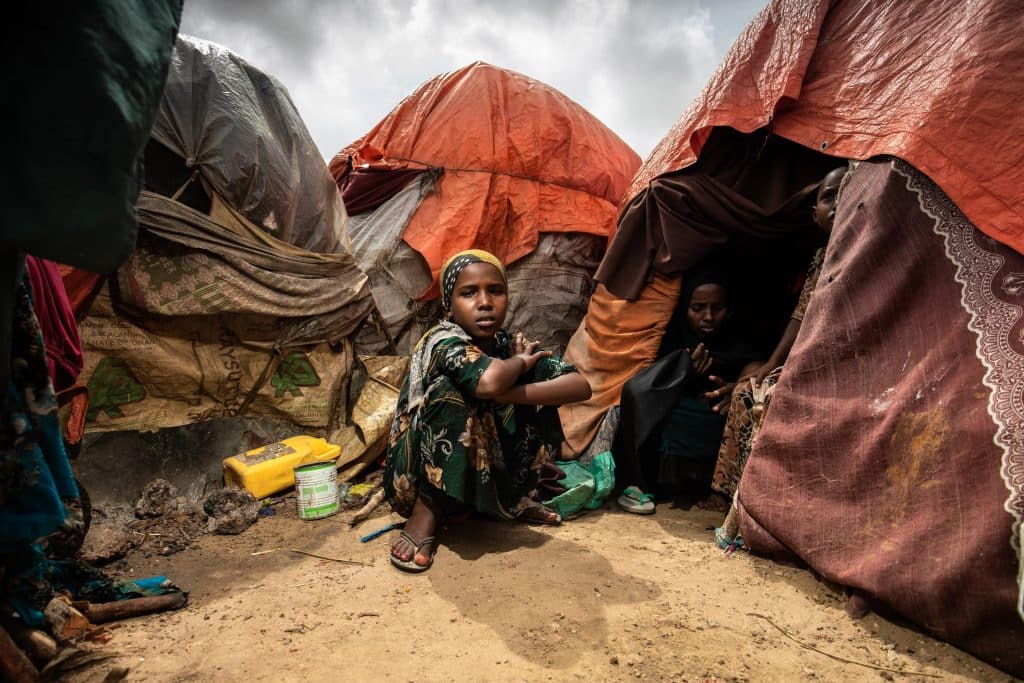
544	596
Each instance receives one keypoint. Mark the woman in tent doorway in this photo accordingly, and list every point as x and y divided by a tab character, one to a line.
752	396
465	434
679	456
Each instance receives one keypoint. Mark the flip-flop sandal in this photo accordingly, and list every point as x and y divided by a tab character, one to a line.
410	564
636	501
539	514
723	541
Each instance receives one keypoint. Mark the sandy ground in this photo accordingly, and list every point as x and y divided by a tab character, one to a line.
609	596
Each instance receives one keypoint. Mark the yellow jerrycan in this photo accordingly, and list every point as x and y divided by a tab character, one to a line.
268	469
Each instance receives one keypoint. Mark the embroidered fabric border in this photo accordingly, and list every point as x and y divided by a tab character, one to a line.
992	319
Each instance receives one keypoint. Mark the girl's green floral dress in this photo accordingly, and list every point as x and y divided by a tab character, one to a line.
458	448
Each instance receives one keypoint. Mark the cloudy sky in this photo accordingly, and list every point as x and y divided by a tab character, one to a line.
634	64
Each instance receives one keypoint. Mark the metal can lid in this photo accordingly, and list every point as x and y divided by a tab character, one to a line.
312	466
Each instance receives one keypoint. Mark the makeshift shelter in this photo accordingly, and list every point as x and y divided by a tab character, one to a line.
892	458
488	158
241	294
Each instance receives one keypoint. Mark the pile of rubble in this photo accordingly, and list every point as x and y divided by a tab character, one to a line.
164	522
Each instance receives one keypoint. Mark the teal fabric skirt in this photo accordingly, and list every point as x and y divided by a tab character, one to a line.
690	438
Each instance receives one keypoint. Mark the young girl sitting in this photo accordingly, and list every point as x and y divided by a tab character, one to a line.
465	433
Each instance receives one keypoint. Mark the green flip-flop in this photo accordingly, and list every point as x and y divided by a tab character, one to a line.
636	501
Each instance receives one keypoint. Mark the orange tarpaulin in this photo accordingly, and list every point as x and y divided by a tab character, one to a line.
519	158
616	334
937	83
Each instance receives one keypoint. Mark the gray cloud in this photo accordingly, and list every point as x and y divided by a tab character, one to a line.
635	65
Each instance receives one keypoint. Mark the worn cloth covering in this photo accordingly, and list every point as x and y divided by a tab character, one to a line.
73	179
243	302
236	129
892	459
201	322
230	266
746	191
57	321
851	79
616	339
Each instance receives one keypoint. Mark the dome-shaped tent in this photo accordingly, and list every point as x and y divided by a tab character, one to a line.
241	291
484	157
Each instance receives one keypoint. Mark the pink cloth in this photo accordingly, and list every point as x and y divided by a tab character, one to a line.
57	321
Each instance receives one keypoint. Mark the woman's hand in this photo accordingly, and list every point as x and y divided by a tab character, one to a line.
720	397
701	360
502	374
763	372
757	372
527	352
518	344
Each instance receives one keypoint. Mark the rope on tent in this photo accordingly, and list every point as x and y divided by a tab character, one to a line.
492	171
382	327
272	362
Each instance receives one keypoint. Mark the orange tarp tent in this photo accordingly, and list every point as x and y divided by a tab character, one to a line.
936	83
519	158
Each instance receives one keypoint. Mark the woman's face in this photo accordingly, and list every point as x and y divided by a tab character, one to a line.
480	301
708	310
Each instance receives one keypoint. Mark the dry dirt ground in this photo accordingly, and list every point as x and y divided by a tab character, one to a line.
609	596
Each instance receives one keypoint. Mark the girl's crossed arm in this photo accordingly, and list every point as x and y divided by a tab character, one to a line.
570	388
498	381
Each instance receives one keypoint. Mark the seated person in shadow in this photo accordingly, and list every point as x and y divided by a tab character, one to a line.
753	393
679	455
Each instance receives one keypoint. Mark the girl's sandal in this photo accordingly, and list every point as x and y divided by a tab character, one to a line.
410	564
539	514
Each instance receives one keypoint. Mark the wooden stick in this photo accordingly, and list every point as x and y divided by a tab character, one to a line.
38	644
15	664
133	607
309	554
383	327
837	657
367	509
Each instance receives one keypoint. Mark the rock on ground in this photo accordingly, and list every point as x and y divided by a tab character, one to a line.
231	510
109	538
160	497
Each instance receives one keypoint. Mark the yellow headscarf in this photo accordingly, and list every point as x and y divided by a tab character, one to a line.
456	263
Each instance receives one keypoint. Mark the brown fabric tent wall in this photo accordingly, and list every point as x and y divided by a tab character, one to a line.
892	457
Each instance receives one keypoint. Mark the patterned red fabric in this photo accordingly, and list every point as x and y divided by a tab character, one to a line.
892	458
